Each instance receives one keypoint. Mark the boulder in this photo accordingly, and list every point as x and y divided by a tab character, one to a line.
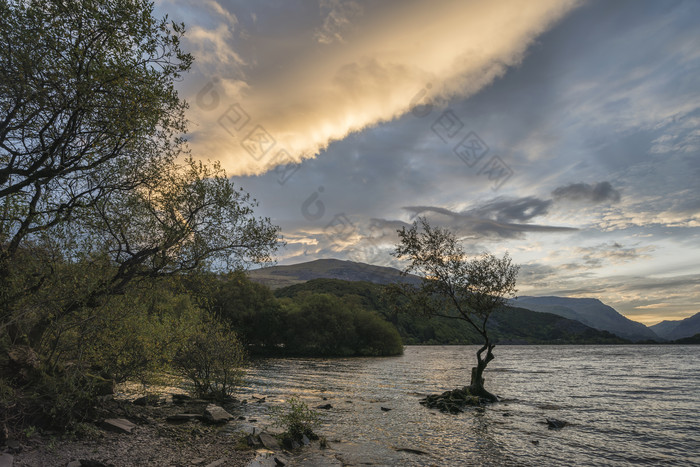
6	460
118	425
269	441
553	423
215	414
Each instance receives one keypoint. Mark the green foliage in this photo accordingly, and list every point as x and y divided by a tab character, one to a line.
212	358
310	324
250	308
99	201
140	335
296	418
324	325
413	328
509	325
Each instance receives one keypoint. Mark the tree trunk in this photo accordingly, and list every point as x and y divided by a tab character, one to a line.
476	387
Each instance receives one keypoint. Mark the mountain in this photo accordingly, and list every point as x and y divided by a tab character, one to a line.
673	330
589	311
688	340
508	326
282	276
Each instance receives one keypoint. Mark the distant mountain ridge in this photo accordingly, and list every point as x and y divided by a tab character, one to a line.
591	312
673	330
283	276
507	326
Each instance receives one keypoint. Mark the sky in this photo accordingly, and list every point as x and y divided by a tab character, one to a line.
566	133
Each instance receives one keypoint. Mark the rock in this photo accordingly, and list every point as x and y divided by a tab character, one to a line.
280	462
535	442
452	401
305	440
412	451
252	440
507	414
290	443
215	414
553	423
118	425
183	417
6	460
324	406
269	441
198	460
248	429
385	409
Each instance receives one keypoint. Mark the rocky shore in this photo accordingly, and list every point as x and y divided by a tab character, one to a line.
171	430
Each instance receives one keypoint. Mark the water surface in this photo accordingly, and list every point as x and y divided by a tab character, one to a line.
624	405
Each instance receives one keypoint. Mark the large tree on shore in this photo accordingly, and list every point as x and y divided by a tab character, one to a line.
94	170
456	287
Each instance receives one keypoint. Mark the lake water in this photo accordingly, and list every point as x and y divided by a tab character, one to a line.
624	404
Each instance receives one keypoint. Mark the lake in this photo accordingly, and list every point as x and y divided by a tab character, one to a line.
623	404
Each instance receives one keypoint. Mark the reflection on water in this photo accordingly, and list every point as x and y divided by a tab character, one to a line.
624	404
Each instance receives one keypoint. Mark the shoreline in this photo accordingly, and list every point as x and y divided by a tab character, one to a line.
155	438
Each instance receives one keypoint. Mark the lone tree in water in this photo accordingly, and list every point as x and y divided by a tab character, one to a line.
454	286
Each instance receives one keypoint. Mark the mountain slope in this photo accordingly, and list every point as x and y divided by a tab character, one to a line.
589	311
282	276
673	330
509	326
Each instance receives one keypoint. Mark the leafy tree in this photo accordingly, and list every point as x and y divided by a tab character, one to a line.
251	309
93	170
87	107
324	325
99	195
212	358
456	287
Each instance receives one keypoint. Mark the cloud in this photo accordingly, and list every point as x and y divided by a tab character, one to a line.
599	255
512	210
598	193
496	219
292	96
339	18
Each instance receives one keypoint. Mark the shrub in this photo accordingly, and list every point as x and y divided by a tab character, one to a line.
296	418
212	359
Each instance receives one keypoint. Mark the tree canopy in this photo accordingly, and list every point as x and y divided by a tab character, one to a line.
102	204
455	286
